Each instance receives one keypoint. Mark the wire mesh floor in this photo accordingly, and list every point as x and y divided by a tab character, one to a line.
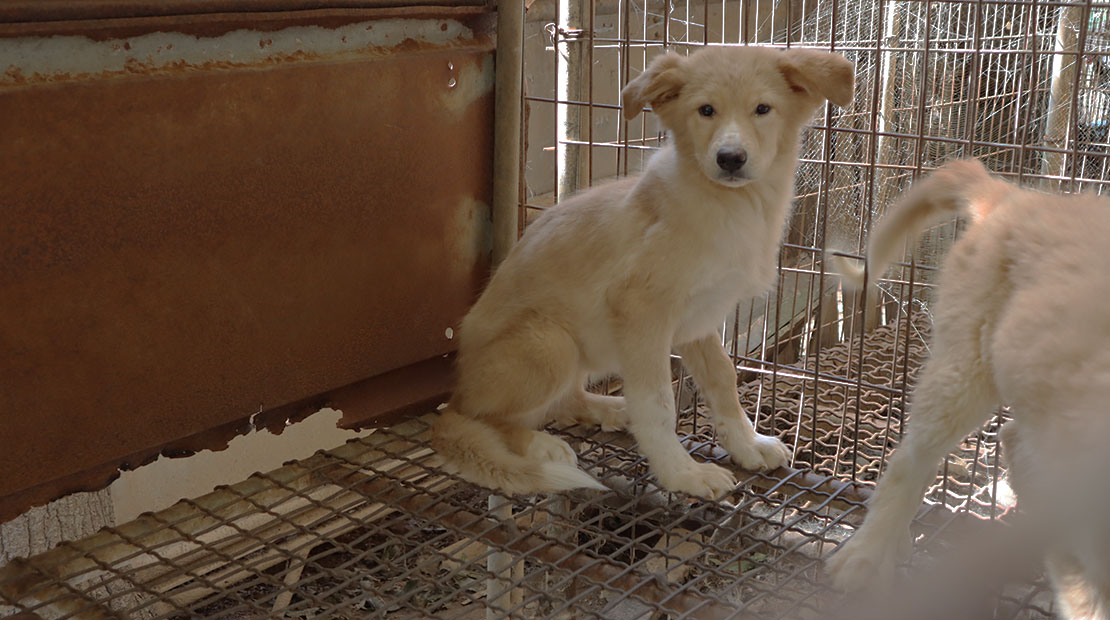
375	529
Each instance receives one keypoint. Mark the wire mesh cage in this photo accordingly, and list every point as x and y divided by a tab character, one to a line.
375	529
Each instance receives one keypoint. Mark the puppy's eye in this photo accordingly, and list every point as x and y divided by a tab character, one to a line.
762	109
706	110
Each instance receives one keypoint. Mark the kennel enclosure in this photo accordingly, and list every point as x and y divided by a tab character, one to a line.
225	215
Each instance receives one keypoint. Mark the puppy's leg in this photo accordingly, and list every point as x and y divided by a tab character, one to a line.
1047	478
513	380
647	387
1076	596
505	387
715	374
582	407
954	396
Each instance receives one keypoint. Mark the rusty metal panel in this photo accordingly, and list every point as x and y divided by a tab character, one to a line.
58	10
185	244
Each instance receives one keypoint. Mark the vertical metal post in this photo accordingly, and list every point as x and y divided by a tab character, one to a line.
508	104
568	76
891	72
499	599
559	588
1065	67
506	126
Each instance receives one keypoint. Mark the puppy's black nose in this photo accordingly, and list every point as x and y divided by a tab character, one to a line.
731	160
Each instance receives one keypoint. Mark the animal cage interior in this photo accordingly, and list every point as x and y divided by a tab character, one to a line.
376	528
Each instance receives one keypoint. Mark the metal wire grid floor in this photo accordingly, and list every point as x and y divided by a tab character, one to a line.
374	529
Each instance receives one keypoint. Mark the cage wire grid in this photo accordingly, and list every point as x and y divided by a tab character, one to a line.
375	529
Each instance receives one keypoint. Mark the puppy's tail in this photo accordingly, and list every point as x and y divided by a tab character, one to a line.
477	452
961	186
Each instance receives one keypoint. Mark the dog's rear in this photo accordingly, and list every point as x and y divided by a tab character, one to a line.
1020	320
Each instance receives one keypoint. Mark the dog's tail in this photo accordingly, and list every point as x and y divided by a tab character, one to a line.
477	452
962	186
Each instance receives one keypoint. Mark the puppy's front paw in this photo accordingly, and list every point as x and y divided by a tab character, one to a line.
698	479
866	560
759	453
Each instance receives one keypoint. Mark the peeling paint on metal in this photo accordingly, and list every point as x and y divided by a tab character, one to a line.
65	58
228	241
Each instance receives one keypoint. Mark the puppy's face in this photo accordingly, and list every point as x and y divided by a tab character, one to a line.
732	127
732	110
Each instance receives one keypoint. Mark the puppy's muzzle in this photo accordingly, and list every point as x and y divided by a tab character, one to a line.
731	160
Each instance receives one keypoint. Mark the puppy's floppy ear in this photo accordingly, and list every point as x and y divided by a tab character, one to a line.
819	74
659	83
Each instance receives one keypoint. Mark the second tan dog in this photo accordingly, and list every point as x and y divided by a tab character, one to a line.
610	281
1021	319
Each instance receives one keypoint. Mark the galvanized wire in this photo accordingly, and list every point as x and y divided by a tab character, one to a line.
375	529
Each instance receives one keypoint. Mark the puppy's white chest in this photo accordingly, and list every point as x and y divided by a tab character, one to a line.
705	311
710	303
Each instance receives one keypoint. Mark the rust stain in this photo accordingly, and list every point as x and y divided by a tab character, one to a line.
190	249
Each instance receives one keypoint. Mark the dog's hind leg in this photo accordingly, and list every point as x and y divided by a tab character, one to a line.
1076	596
582	407
715	374
505	387
955	394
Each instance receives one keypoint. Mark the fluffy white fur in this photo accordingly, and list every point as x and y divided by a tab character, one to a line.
613	279
1021	320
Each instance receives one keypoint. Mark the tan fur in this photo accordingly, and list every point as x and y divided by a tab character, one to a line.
1021	320
611	280
962	187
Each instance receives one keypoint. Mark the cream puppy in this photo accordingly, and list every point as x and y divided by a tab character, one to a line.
613	279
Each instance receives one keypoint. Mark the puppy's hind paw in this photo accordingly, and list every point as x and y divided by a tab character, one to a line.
613	421
608	412
547	447
865	562
850	571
